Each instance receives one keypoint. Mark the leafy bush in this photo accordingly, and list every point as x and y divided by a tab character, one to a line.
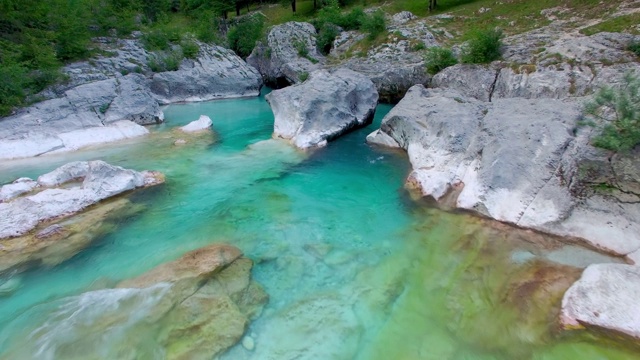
242	38
303	76
616	114
352	20
155	40
190	48
326	36
437	58
419	46
483	47
160	62
634	47
374	24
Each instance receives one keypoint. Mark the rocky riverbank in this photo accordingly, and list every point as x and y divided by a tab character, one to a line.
111	97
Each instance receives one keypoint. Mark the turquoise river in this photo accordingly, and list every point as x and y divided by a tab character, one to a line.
354	267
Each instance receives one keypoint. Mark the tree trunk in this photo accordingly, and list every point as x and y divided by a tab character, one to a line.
238	5
293	5
315	4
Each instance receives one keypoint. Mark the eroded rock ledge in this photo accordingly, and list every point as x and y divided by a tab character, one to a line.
34	216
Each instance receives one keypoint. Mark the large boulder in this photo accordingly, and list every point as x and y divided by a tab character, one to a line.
605	297
322	108
192	308
514	160
96	181
216	73
289	53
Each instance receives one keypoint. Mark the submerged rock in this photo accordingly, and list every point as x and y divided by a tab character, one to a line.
290	52
202	124
192	308
605	297
513	160
99	181
65	238
323	107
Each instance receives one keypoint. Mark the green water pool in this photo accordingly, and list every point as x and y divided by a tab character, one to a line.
355	268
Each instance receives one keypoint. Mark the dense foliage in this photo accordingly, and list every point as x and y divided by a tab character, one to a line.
330	18
437	58
242	37
483	47
38	36
616	114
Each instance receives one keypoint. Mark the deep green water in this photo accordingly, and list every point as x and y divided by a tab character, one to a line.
354	268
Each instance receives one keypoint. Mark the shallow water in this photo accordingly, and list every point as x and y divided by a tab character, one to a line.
353	267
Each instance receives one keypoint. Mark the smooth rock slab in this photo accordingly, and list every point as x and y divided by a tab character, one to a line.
606	296
202	124
100	181
322	108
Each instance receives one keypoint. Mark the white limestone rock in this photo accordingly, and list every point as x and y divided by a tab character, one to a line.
605	297
202	124
322	108
99	181
16	188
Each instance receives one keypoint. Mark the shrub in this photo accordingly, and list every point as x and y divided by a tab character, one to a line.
634	47
301	48
483	47
419	46
190	48
14	80
242	38
325	38
155	40
616	114
437	58
165	62
303	76
352	20
374	24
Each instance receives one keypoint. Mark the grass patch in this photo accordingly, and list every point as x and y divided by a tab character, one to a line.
625	23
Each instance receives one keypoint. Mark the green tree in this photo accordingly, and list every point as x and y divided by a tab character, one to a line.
616	115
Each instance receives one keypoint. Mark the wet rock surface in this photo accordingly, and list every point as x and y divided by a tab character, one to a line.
192	308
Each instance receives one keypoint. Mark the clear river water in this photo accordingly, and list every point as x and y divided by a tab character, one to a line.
355	269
